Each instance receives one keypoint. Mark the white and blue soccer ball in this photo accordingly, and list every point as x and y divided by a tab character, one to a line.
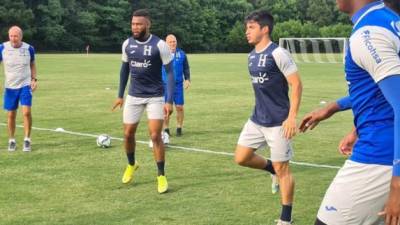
103	141
165	139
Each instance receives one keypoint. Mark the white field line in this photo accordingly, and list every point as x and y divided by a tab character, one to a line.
173	146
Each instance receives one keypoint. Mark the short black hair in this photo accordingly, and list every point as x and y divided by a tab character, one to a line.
142	13
263	18
393	4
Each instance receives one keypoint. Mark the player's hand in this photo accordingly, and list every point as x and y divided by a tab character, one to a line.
391	213
33	85
289	128
312	119
118	103
347	143
187	84
167	109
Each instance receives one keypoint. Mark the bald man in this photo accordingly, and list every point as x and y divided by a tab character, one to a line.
182	80
20	80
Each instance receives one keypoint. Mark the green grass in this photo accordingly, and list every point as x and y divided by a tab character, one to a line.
67	179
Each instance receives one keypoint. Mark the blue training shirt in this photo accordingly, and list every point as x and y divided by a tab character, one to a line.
372	56
145	63
181	67
268	71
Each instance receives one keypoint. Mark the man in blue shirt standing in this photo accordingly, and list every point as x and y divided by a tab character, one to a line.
273	122
368	185
182	80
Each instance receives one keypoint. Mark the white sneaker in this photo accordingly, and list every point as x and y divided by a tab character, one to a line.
280	222
12	146
274	184
27	145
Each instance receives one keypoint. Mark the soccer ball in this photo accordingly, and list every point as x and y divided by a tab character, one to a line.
165	139
104	141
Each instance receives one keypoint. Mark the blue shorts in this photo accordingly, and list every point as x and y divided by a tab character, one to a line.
178	93
13	96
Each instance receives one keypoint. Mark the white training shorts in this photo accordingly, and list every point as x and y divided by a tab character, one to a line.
255	136
356	195
134	107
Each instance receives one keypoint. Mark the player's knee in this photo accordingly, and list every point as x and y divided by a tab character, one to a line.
26	113
129	136
179	108
281	169
240	159
155	137
12	115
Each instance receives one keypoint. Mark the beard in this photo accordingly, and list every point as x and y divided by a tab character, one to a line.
141	36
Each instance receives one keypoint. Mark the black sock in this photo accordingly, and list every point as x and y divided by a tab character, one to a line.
160	166
269	167
131	158
166	130
286	213
179	131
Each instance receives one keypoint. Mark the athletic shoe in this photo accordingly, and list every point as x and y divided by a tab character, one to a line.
166	130
129	172
162	184
274	184
178	132
27	146
12	146
281	222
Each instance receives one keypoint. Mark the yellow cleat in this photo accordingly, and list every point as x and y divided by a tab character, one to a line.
129	172
162	184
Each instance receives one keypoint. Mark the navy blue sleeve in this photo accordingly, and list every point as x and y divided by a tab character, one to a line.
390	89
186	69
123	79
1	52
32	53
344	103
169	68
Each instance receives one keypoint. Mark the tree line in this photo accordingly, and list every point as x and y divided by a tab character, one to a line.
200	25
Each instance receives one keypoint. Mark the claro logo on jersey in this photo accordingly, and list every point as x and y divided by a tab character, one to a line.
260	79
366	35
144	64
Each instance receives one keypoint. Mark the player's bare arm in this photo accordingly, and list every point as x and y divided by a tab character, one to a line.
346	144
33	76
289	125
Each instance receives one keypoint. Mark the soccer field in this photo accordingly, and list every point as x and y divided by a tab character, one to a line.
67	179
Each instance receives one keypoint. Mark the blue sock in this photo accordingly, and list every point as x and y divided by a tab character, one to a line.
160	166
131	158
286	213
269	167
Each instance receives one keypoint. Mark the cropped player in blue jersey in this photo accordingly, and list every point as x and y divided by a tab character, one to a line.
273	122
182	81
313	118
368	185
20	80
143	56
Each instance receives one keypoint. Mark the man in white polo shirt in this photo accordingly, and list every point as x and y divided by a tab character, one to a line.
20	80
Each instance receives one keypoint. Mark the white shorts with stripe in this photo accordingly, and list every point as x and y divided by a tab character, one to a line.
134	107
356	195
256	136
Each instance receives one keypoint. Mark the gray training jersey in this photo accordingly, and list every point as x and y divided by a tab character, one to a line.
268	71
145	64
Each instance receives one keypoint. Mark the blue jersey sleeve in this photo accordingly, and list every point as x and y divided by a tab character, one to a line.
344	103
32	53
1	52
390	89
186	68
